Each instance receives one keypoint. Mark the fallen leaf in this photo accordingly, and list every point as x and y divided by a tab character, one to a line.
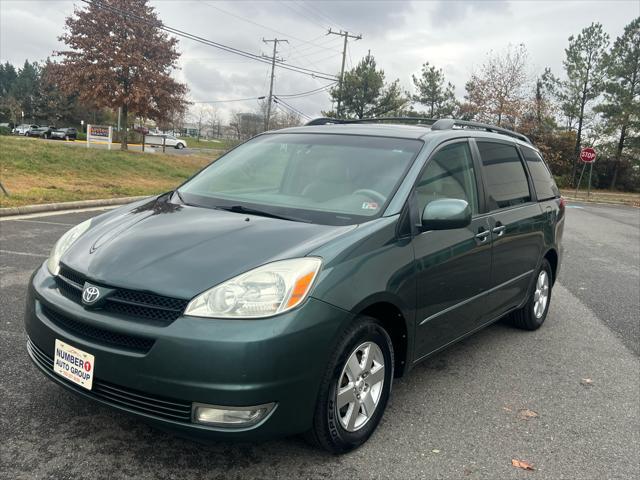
586	382
526	414
521	464
507	408
435	450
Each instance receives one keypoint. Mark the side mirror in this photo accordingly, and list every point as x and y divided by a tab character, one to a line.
446	214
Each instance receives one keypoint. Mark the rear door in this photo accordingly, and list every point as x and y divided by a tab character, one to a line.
517	224
453	267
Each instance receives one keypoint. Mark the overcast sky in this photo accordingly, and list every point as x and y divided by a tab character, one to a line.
454	35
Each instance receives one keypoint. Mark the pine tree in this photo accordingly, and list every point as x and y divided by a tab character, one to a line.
584	65
621	106
434	92
365	93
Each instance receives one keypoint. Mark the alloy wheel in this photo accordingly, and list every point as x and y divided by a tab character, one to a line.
541	294
360	386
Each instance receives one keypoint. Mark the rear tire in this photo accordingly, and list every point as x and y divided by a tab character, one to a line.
361	370
534	312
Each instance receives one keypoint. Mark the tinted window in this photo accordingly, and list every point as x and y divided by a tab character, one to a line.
504	175
449	174
543	181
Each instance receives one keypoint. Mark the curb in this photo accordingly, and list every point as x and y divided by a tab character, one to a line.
52	207
633	204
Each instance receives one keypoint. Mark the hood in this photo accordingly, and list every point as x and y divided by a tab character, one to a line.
180	251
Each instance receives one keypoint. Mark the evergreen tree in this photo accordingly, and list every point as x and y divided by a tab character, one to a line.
584	65
621	106
364	92
434	92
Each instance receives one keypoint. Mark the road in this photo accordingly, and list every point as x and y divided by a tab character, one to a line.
458	415
135	147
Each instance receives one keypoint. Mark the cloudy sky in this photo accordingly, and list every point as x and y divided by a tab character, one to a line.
454	35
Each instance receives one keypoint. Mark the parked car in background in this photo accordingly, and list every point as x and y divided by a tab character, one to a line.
282	289
169	141
24	128
41	132
69	133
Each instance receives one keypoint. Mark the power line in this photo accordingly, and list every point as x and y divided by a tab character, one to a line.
302	14
240	17
232	100
310	92
319	14
279	101
235	51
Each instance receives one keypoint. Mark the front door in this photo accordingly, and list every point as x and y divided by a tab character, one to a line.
453	267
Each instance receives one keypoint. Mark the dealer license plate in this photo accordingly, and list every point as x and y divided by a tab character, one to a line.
74	364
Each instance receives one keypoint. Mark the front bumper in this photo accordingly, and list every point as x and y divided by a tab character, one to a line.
194	360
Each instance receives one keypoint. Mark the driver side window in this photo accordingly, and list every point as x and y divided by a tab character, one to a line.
449	174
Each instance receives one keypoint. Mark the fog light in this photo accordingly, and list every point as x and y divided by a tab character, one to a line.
230	417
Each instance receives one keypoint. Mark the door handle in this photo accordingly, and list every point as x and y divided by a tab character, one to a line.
499	230
482	236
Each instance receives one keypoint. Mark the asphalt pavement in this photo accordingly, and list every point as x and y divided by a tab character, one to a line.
135	147
465	413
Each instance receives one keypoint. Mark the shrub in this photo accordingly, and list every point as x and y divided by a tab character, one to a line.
5	131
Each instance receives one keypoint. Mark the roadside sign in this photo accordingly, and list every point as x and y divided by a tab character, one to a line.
588	155
99	134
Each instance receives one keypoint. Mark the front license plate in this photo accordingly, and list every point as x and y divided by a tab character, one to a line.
74	364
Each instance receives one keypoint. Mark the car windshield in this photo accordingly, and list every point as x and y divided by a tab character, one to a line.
319	178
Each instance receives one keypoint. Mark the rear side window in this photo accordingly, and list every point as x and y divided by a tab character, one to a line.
543	181
504	175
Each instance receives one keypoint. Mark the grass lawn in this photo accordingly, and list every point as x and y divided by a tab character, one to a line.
603	196
34	172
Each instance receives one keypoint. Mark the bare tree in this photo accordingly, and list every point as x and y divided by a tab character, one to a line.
213	121
497	92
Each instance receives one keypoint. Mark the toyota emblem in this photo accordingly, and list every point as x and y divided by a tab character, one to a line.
90	294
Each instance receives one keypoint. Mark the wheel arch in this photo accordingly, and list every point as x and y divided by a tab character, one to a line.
552	257
394	322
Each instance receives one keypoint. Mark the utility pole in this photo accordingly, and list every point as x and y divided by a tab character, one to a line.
275	42
346	36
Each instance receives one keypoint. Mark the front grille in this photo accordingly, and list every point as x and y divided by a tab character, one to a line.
124	302
118	396
98	335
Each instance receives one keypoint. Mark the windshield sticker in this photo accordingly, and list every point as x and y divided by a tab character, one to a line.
369	206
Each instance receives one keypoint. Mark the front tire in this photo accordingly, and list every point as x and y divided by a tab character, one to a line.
534	312
355	388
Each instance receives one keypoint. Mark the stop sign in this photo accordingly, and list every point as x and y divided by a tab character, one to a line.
588	155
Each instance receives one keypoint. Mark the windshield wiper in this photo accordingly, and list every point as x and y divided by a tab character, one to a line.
255	211
177	192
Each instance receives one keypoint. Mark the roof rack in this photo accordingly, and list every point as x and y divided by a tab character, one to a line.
434	123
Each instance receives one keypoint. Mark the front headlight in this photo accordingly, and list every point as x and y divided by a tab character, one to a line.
262	292
63	244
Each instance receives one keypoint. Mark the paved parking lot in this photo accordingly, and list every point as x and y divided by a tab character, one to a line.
461	414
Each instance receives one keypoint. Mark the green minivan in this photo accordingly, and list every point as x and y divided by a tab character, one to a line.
281	289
